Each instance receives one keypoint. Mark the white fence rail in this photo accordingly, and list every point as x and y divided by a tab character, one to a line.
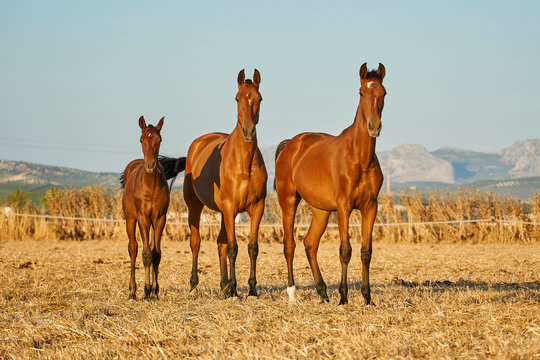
489	221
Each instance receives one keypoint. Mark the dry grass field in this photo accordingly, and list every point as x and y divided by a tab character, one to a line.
68	300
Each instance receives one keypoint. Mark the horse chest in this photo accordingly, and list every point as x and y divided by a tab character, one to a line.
239	189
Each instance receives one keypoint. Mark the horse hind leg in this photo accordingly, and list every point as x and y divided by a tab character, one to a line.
311	244
288	206
132	249
195	208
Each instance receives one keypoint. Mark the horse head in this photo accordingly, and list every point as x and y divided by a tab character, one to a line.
372	93
249	102
150	140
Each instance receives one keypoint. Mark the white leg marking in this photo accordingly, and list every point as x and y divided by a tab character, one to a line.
291	290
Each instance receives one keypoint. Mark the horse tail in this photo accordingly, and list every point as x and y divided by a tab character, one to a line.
278	150
281	146
172	166
122	179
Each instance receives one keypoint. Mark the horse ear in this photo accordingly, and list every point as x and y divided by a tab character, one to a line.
381	71
241	77
257	77
142	123
160	123
363	71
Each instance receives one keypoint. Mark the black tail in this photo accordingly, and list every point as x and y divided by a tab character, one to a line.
278	150
122	179
172	166
281	146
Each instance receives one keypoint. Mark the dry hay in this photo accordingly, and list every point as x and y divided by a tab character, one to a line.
68	300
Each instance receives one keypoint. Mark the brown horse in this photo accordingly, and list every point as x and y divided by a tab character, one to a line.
145	201
226	173
334	173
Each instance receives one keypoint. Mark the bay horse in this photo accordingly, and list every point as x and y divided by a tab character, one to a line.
145	202
226	173
334	173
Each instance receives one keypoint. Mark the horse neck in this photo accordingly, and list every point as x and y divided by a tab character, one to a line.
241	152
361	144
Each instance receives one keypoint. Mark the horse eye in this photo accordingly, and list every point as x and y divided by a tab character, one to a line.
236	99
361	93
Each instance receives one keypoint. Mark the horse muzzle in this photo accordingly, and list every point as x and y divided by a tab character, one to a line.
150	167
374	130
249	135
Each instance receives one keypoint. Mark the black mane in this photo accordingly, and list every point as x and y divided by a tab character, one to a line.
372	74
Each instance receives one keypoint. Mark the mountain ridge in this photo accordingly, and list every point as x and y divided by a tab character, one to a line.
404	166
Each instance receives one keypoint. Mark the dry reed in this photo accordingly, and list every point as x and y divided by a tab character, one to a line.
397	219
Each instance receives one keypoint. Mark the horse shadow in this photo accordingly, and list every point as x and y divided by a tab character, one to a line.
208	177
438	286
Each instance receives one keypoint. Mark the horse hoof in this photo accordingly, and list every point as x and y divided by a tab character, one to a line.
252	298
293	302
253	292
343	302
132	297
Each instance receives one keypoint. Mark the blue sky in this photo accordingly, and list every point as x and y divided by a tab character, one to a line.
76	76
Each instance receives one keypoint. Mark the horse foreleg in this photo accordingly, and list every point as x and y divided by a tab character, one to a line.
132	248
144	229
232	248
222	253
311	244
368	219
159	225
255	214
345	250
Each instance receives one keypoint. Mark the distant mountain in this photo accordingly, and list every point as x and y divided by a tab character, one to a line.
410	163
471	166
408	166
18	172
524	156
